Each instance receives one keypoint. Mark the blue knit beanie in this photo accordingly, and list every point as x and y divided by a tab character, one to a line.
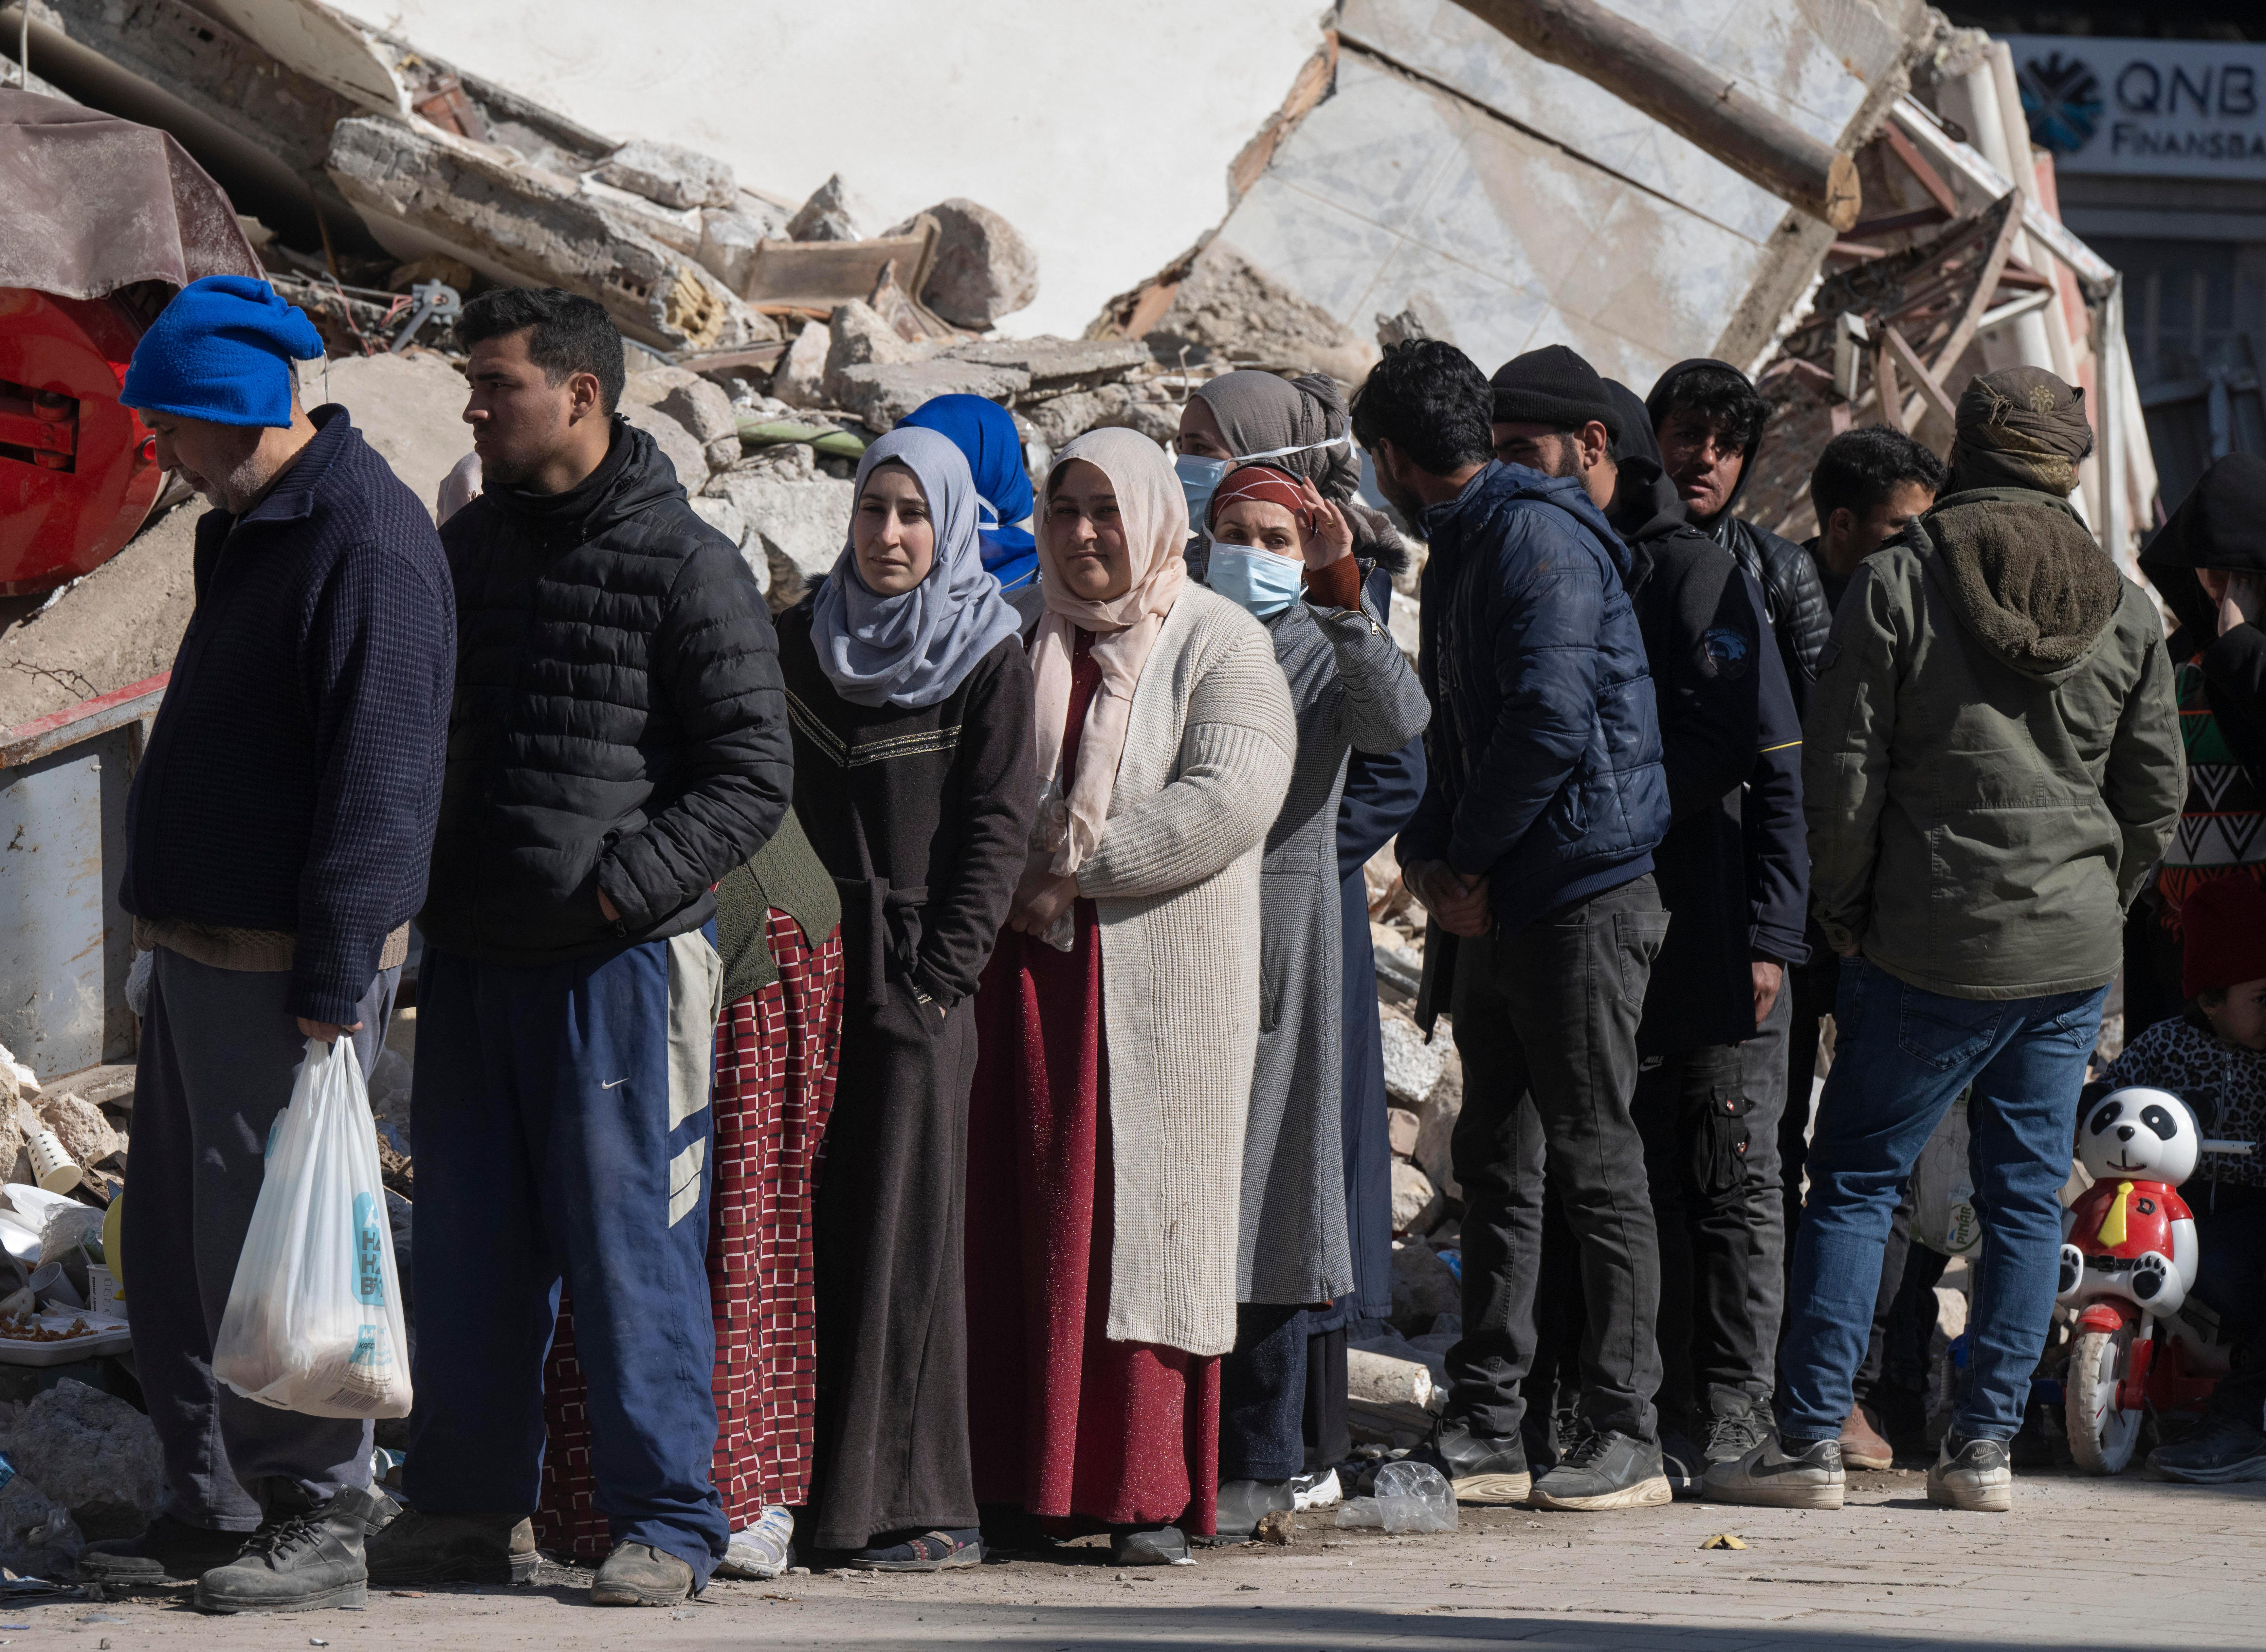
222	351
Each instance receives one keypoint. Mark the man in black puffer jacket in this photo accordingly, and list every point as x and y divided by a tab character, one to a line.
618	743
1708	418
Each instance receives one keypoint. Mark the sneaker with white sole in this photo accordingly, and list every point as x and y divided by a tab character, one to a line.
1485	1472
1972	1474
1317	1490
1790	1474
1604	1471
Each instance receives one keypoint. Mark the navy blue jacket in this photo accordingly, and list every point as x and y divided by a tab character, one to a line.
1543	759
294	774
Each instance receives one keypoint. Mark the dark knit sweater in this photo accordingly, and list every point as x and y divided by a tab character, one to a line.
293	776
924	817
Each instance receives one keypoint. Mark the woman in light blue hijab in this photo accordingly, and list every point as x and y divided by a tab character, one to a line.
909	700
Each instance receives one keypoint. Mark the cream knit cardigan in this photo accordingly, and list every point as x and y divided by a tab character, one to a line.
1175	878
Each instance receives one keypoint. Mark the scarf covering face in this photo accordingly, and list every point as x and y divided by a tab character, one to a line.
913	649
1259	412
1154	518
2019	426
984	433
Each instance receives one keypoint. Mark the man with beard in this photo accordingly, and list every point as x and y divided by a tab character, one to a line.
276	834
618	743
1733	875
1708	418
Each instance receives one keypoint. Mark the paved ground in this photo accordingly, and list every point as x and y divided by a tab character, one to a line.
2080	1564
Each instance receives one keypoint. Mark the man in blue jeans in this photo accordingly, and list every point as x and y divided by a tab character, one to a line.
1992	766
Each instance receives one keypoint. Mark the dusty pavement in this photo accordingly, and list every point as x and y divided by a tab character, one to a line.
2081	1563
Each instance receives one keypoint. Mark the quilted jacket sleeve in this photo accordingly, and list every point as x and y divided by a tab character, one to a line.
715	665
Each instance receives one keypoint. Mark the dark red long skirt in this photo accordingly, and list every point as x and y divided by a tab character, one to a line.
775	1060
1063	1421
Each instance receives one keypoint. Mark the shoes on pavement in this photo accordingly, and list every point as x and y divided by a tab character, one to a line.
1319	1490
304	1563
1605	1470
1736	1429
1485	1472
639	1575
919	1552
2217	1452
1148	1546
169	1551
1781	1475
1242	1502
763	1549
453	1548
1972	1474
1681	1461
1862	1445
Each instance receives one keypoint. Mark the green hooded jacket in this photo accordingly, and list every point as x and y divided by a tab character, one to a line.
1991	763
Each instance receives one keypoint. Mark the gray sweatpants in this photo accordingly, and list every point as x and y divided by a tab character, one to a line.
219	1051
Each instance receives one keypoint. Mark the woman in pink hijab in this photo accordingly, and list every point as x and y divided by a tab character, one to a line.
1116	1026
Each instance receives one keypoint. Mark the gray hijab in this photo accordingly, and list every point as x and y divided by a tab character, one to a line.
915	648
1262	412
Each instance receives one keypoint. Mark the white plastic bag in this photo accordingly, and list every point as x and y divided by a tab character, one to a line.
313	1323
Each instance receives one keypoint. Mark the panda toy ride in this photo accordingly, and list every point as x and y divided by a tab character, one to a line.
2130	1235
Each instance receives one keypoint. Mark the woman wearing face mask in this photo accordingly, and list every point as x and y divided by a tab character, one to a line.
1118	1020
1273	535
1254	412
911	702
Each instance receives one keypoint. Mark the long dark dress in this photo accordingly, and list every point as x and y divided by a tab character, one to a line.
1065	1422
922	817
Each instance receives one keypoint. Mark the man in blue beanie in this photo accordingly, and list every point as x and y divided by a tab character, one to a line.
277	836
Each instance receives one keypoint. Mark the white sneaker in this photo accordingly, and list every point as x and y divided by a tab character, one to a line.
1977	1476
1316	1491
761	1551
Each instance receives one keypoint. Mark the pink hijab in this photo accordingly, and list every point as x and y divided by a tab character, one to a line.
1155	516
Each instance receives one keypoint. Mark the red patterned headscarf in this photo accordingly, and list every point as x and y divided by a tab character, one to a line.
1260	482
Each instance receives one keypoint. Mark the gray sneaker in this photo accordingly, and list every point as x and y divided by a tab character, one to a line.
1801	1474
1972	1474
1605	1471
1735	1430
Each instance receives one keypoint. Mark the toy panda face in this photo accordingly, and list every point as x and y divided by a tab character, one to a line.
2140	1135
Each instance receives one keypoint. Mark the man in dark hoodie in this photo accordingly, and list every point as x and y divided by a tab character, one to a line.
1532	847
1993	764
618	744
1733	874
1708	418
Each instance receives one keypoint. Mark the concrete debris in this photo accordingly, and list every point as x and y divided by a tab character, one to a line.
705	410
1435	1133
829	215
80	1126
728	240
1400	1131
800	379
94	1455
1417	1206
671	174
685	455
1275	1527
1412	1066
983	269
1216	302
1058	366
800	522
409	407
878	395
1054	421
860	337
37	1536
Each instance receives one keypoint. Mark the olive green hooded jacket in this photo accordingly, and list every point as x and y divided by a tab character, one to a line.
1991	763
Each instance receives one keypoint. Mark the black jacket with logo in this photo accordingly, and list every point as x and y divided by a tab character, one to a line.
618	723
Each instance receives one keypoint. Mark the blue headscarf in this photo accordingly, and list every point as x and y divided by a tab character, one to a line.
914	649
222	351
984	433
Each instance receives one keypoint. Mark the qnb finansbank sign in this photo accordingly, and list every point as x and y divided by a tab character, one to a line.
2156	108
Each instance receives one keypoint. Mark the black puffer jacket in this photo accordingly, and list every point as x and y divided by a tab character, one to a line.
618	723
1794	599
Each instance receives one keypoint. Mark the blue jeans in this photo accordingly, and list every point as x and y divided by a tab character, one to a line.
1901	1058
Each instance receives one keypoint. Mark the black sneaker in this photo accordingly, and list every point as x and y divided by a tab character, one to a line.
1977	1475
170	1551
1799	1475
1681	1461
1737	1430
1605	1471
302	1564
1485	1472
2217	1452
1243	1502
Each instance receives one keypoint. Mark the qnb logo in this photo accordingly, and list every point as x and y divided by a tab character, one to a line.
2061	99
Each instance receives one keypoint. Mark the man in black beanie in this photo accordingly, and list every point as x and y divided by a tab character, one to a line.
1733	874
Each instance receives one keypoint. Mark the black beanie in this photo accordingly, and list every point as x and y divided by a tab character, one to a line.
1555	387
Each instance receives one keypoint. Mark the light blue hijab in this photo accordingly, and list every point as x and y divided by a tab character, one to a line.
913	649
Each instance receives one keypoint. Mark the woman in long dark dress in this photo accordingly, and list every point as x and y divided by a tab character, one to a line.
911	703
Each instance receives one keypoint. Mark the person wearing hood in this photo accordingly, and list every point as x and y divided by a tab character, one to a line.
618	743
985	432
1708	418
1301	422
1274	536
1992	765
1532	851
2208	562
1117	1024
1733	875
911	702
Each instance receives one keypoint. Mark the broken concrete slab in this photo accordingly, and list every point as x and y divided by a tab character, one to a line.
880	395
409	407
859	335
685	455
119	624
983	270
1436	1133
79	1125
1417	1206
93	1455
1412	1066
671	174
800	379
801	523
704	409
1060	418
831	214
1058	366
728	240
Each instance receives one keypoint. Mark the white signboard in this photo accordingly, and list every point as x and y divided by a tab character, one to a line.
2154	108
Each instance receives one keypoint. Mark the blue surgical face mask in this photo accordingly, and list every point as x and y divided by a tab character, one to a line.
1199	478
1257	580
